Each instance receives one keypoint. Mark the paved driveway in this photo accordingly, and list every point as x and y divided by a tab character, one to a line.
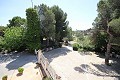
71	65
9	63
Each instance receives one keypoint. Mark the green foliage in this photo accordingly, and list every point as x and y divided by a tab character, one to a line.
14	38
1	43
116	14
17	21
54	25
108	21
61	23
33	32
48	24
69	33
115	25
84	39
48	78
79	35
86	43
80	50
4	77
101	41
48	29
20	70
2	29
75	47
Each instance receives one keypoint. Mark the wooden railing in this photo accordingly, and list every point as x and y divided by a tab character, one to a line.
50	72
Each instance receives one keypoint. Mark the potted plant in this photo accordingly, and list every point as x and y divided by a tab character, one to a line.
48	78
4	77
20	70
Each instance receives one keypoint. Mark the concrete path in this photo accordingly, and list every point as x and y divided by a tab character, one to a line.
71	65
9	63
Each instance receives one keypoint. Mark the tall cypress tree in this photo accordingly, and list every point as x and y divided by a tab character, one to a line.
33	30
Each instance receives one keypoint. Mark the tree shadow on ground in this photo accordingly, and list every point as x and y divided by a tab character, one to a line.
116	65
107	70
103	70
20	60
8	57
79	69
84	68
56	53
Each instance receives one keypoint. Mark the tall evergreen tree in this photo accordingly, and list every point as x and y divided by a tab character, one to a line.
48	24
33	30
61	22
108	10
17	21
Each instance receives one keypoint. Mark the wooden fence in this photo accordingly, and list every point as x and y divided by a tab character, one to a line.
50	72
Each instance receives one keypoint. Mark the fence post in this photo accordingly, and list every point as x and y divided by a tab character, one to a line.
39	56
47	67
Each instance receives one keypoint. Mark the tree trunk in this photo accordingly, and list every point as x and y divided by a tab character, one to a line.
47	42
107	54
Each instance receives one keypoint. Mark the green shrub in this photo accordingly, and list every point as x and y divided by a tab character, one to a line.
75	47
32	46
20	70
47	78
14	38
80	50
1	43
4	77
88	48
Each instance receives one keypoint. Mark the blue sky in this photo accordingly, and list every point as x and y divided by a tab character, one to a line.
81	13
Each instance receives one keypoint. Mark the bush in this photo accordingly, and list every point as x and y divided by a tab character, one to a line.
4	77
80	49
75	47
32	46
47	78
20	70
1	43
14	38
100	41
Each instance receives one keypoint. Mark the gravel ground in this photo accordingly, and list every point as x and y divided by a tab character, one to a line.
68	64
71	65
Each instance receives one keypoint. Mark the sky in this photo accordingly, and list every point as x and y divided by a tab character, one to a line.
80	13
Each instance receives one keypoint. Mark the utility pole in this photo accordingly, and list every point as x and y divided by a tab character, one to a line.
32	3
